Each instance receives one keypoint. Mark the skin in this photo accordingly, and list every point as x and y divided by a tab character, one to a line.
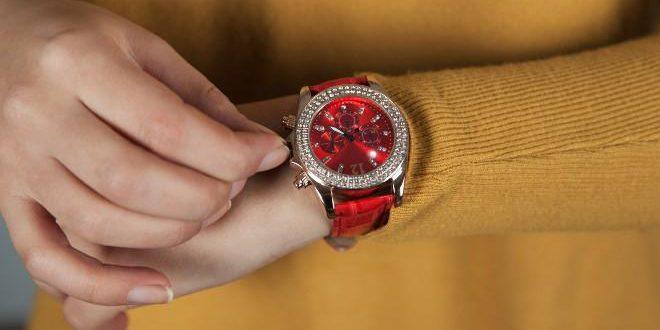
270	219
109	136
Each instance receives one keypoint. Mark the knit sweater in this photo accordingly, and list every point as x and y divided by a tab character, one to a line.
532	199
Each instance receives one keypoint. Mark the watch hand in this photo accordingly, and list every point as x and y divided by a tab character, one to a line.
337	130
332	143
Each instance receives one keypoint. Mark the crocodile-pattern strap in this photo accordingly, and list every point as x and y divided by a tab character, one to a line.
359	215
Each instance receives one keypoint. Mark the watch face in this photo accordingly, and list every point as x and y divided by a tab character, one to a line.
351	135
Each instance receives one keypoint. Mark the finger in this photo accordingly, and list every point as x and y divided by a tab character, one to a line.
49	259
132	177
236	188
83	315
147	111
160	60
82	211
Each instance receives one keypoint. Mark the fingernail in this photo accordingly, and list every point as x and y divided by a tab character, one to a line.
149	294
236	188
216	216
274	158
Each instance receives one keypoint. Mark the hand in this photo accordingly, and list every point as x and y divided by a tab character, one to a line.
107	131
269	219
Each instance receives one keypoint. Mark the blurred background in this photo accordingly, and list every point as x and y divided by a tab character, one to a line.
16	288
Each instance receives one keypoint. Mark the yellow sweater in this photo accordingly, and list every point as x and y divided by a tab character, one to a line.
534	186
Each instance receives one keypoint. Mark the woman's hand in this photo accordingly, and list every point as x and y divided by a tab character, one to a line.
270	219
107	131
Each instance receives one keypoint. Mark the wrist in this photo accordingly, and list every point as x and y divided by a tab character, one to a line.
299	211
279	215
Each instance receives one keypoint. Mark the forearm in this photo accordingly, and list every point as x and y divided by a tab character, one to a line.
568	143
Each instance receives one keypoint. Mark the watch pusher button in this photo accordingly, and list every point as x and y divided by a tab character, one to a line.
302	180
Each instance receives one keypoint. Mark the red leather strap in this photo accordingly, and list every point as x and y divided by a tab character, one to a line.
361	80
360	216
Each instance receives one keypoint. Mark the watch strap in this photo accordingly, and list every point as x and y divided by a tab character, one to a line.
359	80
360	216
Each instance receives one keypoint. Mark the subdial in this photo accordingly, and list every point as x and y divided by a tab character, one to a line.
369	134
347	120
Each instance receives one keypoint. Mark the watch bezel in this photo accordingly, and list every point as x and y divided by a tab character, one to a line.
391	169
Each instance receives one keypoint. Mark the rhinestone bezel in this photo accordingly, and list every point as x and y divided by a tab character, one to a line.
315	167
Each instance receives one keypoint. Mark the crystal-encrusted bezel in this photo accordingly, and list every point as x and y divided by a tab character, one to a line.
315	167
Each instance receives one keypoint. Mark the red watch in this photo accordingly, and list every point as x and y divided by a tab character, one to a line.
350	143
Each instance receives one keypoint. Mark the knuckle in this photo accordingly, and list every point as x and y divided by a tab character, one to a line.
35	260
157	44
18	107
211	200
164	133
119	182
90	227
62	49
68	49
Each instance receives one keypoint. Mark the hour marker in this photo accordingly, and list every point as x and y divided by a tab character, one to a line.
373	162
375	118
361	110
357	168
329	116
382	149
343	107
319	128
340	168
326	159
386	133
316	144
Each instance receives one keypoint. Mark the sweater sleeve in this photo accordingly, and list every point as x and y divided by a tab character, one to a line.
566	143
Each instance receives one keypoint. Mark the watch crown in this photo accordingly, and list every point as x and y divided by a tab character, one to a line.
289	122
302	180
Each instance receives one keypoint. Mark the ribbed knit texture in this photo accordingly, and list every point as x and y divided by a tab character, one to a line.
571	142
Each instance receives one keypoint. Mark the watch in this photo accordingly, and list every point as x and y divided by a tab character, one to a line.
350	143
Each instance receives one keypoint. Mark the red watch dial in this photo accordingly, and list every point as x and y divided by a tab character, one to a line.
351	135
